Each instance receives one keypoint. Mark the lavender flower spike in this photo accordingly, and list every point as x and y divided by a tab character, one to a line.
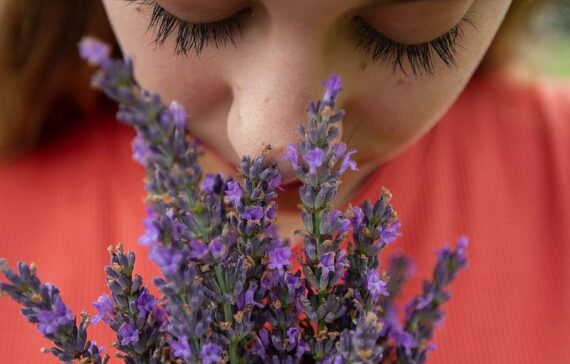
43	306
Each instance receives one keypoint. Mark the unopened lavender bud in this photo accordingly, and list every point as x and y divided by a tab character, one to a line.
94	51
178	114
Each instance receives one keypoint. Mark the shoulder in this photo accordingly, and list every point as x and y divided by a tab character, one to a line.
538	101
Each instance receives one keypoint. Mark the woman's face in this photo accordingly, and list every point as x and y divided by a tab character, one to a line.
245	78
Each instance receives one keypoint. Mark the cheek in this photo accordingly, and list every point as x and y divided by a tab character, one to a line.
198	84
396	114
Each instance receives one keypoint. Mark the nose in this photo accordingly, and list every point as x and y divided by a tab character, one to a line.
270	100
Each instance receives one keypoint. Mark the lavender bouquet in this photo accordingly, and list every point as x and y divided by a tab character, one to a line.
228	293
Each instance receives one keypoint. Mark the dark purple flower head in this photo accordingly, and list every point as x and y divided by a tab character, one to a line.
332	87
291	155
279	257
51	320
375	285
94	51
128	334
211	354
104	307
178	114
234	193
314	159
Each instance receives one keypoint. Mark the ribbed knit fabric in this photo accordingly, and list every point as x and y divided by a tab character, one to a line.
495	168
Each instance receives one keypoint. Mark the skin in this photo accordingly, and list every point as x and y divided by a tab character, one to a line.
243	97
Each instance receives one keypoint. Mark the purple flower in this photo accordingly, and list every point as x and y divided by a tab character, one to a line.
141	152
168	260
390	234
338	150
291	155
211	354
209	183
252	213
375	285
217	248
93	348
270	213
94	51
332	88
128	334
341	261
145	303
104	307
404	339
357	218
344	225
49	321
234	192
279	258
314	159
261	344
198	250
293	334
347	162
292	282
327	262
462	243
274	182
249	295
151	233
302	348
178	114
423	302
180	347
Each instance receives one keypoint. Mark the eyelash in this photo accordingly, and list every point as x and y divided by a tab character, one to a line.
420	57
195	37
191	37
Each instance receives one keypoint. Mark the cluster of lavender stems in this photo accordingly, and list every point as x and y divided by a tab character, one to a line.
227	291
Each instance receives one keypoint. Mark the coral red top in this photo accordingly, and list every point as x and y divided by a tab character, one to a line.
496	168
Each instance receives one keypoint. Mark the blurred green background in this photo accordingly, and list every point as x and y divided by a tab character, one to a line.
552	53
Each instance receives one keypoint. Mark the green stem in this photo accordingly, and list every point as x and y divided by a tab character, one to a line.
227	313
316	226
